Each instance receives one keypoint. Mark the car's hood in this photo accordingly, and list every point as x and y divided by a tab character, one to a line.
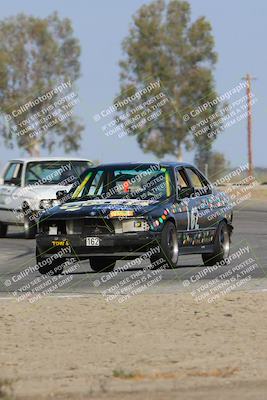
93	208
43	191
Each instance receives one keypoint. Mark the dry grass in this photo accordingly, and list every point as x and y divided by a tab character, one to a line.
6	392
137	376
217	373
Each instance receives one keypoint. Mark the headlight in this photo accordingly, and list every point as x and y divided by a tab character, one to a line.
47	203
55	203
135	225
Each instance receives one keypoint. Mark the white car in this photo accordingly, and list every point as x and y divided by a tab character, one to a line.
29	186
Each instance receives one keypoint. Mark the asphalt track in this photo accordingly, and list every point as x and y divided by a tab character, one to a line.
246	271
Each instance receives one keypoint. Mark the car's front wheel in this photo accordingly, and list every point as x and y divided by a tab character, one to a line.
3	230
221	246
102	264
168	248
49	265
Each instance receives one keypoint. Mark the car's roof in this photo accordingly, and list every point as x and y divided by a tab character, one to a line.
145	164
37	159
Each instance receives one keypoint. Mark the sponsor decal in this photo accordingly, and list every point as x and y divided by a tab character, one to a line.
57	243
121	213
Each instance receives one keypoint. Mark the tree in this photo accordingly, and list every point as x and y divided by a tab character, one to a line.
164	45
216	164
37	57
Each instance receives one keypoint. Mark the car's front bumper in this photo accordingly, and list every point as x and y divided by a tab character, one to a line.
115	245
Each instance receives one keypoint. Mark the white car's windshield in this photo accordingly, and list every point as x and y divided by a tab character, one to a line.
54	172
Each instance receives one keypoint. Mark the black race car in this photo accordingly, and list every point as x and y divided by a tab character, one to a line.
122	211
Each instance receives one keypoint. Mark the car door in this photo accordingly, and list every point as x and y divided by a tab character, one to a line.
184	203
193	193
201	205
9	198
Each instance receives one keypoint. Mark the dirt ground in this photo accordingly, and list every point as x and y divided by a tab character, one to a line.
246	193
151	347
259	193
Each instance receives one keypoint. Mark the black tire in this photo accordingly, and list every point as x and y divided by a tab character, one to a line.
3	230
30	227
221	246
102	264
169	247
55	268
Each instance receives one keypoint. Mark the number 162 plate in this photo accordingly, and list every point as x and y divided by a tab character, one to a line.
92	241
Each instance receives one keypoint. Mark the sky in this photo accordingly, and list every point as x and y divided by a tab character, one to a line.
239	28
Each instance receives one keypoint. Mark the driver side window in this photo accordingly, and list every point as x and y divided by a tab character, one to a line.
183	184
13	174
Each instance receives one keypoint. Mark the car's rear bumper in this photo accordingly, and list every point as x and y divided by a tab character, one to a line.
115	245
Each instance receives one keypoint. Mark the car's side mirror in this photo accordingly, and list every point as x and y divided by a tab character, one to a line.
61	194
185	192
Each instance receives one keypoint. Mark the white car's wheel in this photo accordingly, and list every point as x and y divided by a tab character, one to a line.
3	230
30	228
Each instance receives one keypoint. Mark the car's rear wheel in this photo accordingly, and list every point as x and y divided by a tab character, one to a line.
169	248
221	246
102	264
3	230
55	268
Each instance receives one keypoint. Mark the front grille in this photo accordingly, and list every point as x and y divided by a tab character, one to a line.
74	227
89	226
97	226
86	226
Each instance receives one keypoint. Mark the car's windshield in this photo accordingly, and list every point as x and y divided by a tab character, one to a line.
54	172
142	183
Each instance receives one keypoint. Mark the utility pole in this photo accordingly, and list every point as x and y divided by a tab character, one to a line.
248	79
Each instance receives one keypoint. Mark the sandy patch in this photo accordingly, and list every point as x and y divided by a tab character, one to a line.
152	347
